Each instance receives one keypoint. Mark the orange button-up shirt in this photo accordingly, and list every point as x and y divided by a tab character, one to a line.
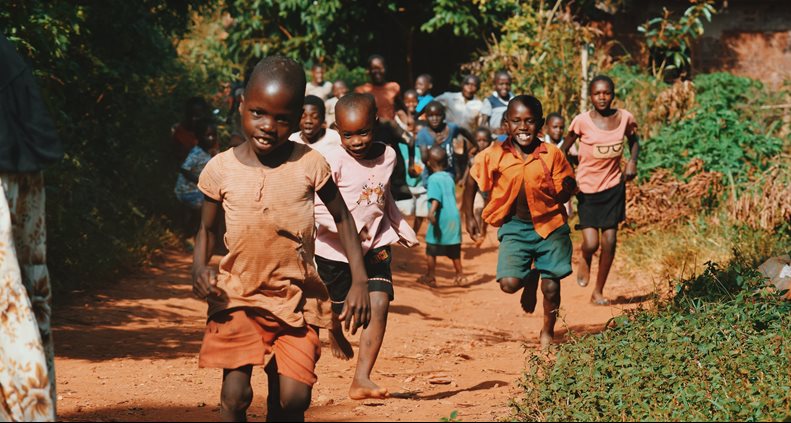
501	170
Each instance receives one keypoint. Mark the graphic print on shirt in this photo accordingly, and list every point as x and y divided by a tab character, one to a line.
373	192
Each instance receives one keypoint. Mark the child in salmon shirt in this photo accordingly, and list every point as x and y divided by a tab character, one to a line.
602	197
528	180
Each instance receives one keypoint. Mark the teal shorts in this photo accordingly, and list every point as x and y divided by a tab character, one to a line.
521	247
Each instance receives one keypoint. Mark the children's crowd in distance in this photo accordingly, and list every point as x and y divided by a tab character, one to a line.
321	181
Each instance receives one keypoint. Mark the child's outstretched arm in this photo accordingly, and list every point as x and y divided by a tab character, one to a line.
570	139
634	152
468	139
563	178
358	303
204	278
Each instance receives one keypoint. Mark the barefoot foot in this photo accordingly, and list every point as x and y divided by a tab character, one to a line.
461	280
428	280
340	346
545	339
583	274
365	389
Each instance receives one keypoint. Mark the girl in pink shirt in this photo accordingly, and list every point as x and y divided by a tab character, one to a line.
602	197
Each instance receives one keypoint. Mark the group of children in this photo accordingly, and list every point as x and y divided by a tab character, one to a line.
311	208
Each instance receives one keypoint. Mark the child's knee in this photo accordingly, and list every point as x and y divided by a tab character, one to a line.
295	401
608	243
380	304
551	289
236	398
510	285
590	246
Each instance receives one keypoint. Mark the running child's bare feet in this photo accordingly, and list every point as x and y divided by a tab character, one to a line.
365	389
340	346
545	339
583	273
598	299
529	292
428	280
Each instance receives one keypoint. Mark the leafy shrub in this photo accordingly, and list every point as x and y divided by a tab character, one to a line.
719	351
717	133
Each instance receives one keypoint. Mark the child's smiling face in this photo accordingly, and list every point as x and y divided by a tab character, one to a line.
377	70
469	88
355	126
423	85
270	113
410	101
522	124
503	85
483	139
311	122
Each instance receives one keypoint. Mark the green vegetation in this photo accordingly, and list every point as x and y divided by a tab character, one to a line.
718	351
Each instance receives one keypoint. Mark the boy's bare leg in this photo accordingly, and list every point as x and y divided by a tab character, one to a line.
236	395
590	243
417	224
459	279
429	278
551	290
608	241
370	343
340	346
288	398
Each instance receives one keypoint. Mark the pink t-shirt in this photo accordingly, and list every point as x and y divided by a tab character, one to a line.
600	151
365	187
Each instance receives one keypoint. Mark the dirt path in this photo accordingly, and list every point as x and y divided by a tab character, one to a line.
129	352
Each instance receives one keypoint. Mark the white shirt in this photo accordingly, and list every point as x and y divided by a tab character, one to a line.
461	111
330	139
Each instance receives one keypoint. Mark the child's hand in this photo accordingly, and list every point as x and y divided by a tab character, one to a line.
631	170
357	307
472	228
569	185
204	282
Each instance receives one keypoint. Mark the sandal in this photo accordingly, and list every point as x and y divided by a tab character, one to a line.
461	280
426	280
601	302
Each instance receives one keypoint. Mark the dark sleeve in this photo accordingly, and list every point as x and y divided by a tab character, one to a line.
28	139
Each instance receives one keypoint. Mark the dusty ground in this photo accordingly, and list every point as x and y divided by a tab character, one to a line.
129	352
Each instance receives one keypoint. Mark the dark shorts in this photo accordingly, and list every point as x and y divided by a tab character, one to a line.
521	247
452	252
602	210
337	276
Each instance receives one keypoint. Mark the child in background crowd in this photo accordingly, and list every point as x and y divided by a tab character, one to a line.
553	133
318	86
483	138
423	85
443	236
186	189
339	89
312	131
384	92
494	106
440	133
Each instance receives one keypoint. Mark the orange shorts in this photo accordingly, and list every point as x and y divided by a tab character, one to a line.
244	336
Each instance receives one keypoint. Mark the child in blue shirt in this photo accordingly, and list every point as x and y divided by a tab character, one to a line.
443	237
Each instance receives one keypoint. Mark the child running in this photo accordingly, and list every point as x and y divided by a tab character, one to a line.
529	181
361	169
312	130
602	198
443	236
259	301
186	189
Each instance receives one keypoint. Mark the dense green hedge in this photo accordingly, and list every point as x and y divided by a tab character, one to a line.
719	351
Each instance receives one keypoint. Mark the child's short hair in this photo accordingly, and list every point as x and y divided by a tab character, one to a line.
555	115
410	91
317	65
486	131
427	77
356	101
604	78
502	72
474	78
434	104
532	103
318	103
373	57
283	70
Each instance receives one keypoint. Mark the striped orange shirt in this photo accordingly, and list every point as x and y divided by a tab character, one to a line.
270	235
501	170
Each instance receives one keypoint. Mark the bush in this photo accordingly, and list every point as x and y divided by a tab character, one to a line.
719	351
717	132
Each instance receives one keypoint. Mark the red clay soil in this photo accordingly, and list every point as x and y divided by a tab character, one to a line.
129	352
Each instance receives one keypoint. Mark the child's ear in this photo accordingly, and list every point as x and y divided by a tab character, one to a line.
241	104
